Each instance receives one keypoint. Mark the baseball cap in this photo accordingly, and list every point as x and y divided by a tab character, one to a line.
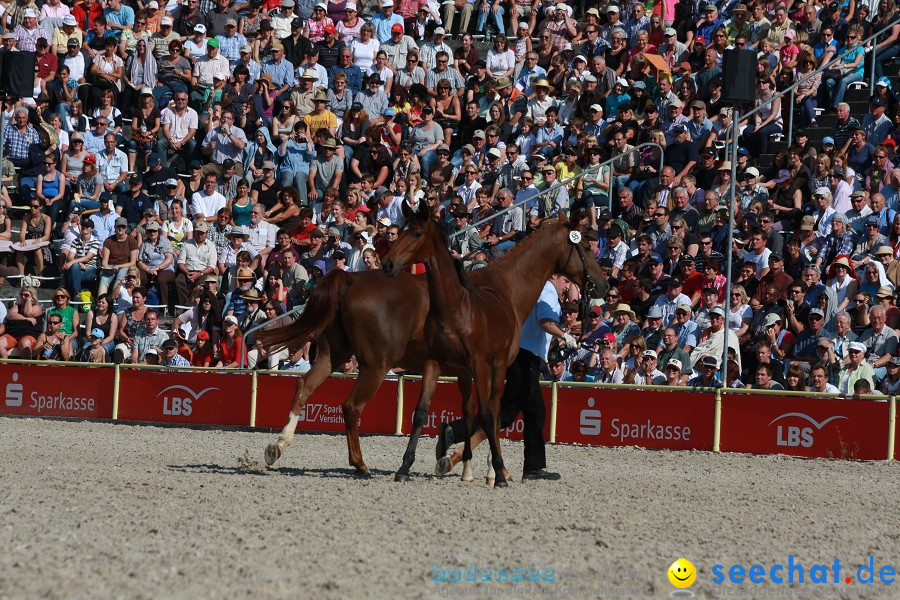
200	28
231	319
709	361
96	332
214	43
827	141
649	354
674	362
397	28
202	226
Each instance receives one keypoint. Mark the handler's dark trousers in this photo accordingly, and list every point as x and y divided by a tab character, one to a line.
522	393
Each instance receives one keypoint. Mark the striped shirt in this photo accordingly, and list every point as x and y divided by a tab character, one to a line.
79	248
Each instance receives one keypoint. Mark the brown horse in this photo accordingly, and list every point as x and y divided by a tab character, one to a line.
380	321
473	327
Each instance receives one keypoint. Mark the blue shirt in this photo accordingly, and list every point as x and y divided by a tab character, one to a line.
124	16
230	47
528	77
533	337
354	77
698	131
383	24
282	72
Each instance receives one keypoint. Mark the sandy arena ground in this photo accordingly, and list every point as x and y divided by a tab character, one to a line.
101	510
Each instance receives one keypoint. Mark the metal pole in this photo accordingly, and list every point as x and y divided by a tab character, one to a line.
717	422
554	406
872	70
790	138
728	256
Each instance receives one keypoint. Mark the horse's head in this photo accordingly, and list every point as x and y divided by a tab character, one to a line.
415	242
577	260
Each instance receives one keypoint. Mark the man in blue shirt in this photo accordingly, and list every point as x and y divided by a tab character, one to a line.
383	21
530	73
522	392
281	69
119	16
345	65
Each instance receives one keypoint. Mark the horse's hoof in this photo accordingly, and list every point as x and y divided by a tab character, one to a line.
273	453
401	478
501	484
489	481
362	474
443	466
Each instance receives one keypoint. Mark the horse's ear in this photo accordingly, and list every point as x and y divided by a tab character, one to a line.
562	217
424	212
407	211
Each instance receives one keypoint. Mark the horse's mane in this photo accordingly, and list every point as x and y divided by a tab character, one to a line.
521	245
445	229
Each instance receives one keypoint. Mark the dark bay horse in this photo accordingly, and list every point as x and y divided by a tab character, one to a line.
473	325
380	321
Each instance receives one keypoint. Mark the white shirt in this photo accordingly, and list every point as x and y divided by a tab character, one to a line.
111	167
180	125
208	206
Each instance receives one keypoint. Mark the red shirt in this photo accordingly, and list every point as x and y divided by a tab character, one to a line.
230	354
86	18
46	64
203	358
301	234
694	283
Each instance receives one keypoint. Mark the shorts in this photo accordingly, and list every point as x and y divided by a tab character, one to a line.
12	342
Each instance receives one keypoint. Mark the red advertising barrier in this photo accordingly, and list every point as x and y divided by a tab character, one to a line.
446	406
811	427
185	397
56	391
275	395
605	417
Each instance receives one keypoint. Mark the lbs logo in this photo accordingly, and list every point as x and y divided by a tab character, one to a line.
792	436
178	399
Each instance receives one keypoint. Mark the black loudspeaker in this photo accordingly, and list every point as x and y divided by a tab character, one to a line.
17	73
739	75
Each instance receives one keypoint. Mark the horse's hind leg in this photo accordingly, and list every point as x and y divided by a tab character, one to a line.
430	373
468	408
367	383
306	385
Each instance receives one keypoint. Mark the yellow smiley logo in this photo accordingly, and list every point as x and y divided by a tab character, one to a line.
682	573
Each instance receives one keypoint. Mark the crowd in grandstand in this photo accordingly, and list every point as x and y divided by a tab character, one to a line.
208	162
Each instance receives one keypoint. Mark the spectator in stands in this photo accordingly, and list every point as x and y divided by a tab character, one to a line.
24	325
169	355
231	346
197	260
118	254
708	377
149	337
102	317
34	237
156	261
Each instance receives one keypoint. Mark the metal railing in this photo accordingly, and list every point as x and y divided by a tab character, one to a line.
837	59
564	183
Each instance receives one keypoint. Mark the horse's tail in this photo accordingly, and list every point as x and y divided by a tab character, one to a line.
321	308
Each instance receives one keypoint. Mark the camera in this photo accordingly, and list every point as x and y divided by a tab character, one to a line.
782	303
587	345
223	129
332	239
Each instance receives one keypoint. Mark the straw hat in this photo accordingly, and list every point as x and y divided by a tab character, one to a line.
623	309
544	84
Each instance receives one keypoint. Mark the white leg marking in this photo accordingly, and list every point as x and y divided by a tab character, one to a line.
287	434
468	474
